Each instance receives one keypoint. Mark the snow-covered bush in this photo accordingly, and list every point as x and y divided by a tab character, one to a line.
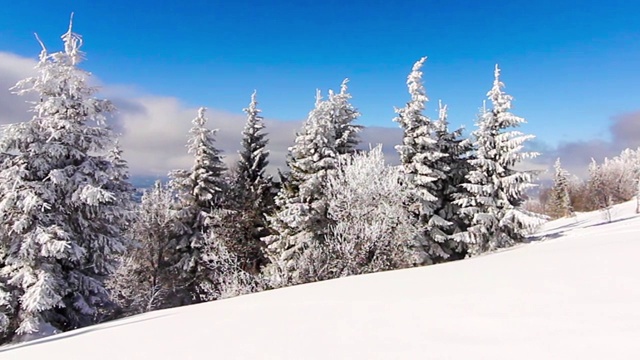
615	180
371	229
146	278
225	274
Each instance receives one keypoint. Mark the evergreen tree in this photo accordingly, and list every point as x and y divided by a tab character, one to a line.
450	171
495	188
301	204
253	156
419	154
251	193
301	214
199	192
343	114
63	200
559	200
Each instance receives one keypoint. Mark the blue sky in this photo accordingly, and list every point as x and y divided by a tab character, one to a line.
572	66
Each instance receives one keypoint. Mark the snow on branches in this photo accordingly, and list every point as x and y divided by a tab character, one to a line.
301	204
434	162
495	187
199	193
64	198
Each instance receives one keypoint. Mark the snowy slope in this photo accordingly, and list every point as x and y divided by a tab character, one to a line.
573	295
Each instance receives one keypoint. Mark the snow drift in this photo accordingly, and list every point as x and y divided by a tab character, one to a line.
571	294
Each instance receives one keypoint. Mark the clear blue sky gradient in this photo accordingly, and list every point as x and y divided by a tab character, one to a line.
571	65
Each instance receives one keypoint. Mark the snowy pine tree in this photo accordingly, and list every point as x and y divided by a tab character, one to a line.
63	200
301	204
343	114
251	192
559	200
254	156
419	154
199	192
450	171
495	188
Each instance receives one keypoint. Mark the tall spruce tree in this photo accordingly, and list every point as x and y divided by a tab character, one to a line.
199	192
63	200
495	188
251	192
254	155
301	214
450	171
559	200
301	204
419	155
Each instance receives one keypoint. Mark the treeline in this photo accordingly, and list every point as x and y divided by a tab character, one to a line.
611	182
76	250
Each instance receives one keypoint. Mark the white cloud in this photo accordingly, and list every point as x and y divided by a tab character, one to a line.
12	69
154	129
624	132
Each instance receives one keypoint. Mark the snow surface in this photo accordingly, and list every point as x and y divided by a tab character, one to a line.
574	294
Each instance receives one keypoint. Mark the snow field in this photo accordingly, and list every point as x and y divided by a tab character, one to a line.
571	295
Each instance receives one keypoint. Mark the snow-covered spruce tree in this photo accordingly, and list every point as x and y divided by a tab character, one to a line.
253	156
301	214
146	278
343	114
199	192
372	230
251	193
301	204
559	199
63	200
419	154
451	171
495	187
